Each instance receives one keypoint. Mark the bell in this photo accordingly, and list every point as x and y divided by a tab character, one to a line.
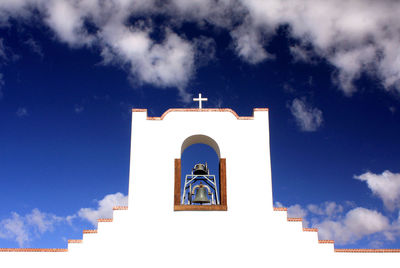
200	169
201	195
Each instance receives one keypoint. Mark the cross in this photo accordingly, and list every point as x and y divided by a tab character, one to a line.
200	99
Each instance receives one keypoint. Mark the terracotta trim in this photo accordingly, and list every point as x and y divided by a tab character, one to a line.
120	208
104	220
367	250
139	110
202	110
89	231
326	241
294	219
280	209
75	241
33	250
310	229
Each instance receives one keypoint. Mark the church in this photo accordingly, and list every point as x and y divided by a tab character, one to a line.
200	219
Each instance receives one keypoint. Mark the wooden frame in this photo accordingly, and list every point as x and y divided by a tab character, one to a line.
177	191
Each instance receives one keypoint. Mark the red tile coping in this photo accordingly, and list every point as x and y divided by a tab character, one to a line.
120	208
310	229
33	250
280	209
75	241
202	110
104	220
367	250
326	241
89	231
294	219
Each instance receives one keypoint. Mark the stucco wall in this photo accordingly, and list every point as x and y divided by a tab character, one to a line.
151	234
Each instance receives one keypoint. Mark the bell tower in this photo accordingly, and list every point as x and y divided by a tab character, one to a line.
241	143
185	197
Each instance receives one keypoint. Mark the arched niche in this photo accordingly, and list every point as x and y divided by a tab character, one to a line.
194	139
203	139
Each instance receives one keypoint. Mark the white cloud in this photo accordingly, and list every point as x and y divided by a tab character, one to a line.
296	211
386	186
301	53
70	218
357	223
169	63
166	64
219	13
66	19
15	228
104	209
354	36
22	112
334	223
329	209
43	222
307	117
248	43
23	228
350	64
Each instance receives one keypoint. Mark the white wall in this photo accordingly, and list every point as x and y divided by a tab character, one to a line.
244	144
151	234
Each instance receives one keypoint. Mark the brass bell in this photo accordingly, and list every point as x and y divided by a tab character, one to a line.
201	195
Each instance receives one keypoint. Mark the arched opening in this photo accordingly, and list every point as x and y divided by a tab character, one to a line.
200	176
200	139
200	162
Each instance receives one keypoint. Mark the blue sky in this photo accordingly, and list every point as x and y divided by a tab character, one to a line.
70	71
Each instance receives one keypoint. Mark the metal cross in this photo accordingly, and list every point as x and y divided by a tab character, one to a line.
200	99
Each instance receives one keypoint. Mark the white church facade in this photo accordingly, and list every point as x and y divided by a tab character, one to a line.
163	227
